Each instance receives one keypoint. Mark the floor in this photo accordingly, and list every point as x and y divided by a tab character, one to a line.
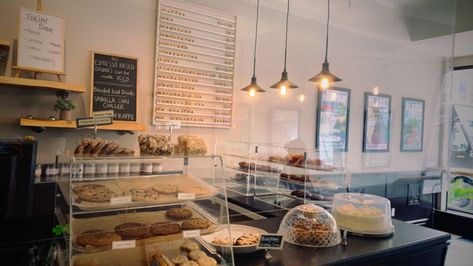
460	252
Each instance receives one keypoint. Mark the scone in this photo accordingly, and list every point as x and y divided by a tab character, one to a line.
189	245
207	261
196	254
138	194
97	238
179	259
132	230
165	188
165	228
195	223
179	213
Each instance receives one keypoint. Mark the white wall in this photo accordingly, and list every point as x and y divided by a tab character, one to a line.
368	47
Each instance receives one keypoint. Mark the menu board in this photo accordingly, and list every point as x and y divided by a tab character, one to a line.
40	42
195	57
114	85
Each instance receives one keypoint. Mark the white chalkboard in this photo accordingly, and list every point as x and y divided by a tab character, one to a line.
40	42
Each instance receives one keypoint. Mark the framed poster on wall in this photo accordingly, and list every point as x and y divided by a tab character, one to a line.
333	112
377	122
412	131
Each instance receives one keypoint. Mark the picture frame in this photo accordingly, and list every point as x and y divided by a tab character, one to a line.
412	125
333	116
377	122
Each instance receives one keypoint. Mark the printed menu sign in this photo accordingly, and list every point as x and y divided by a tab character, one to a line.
40	42
114	84
270	241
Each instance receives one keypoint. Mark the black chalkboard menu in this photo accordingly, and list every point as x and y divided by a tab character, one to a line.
114	85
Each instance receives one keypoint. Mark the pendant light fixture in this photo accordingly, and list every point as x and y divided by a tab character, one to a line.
284	84
253	87
325	78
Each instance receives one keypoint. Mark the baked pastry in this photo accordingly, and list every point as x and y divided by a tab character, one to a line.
179	213
97	238
93	193
139	194
190	263
179	259
189	245
100	147
195	223
248	239
132	230
195	189
165	188
206	261
154	145
191	145
196	254
165	228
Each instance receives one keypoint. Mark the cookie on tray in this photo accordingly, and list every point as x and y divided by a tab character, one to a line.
207	261
195	223
165	228
189	245
165	188
196	254
97	193
79	188
179	213
139	194
97	238
132	230
179	259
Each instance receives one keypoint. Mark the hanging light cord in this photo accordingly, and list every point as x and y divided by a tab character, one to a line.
256	39
287	24
326	37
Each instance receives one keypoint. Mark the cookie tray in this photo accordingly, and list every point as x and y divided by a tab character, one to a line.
109	222
186	183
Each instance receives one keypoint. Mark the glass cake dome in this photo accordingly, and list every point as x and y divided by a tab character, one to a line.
310	225
363	213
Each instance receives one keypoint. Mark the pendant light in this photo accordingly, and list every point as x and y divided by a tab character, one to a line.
284	83
325	78
253	87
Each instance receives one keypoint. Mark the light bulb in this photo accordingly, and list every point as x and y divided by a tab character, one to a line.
325	83
283	90
301	98
333	96
375	90
252	92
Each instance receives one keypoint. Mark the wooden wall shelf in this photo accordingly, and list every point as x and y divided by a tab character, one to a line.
5	43
43	84
117	125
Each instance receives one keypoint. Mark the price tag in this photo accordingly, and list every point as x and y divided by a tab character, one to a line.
124	244
186	196
190	233
120	200
270	241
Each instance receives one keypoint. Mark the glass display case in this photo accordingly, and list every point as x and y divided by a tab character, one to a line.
279	175
143	210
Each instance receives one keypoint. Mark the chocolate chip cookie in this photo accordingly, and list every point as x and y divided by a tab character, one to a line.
132	230
138	194
93	193
97	238
179	213
165	228
165	188
195	223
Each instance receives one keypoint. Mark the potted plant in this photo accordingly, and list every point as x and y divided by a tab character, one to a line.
65	107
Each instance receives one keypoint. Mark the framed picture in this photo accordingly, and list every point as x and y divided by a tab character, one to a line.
377	122
333	112
412	130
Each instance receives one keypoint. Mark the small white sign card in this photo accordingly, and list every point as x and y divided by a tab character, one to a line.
270	241
40	42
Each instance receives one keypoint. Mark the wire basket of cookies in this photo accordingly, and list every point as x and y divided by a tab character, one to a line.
310	225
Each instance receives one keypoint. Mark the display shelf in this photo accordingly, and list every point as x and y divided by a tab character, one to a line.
198	29
190	114
193	75
198	107
5	43
117	125
195	83
209	124
197	68
194	60
193	99
195	91
40	84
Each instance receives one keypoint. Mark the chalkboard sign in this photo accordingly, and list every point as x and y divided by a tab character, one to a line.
40	42
114	85
270	241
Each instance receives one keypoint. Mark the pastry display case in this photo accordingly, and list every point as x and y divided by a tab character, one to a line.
283	174
363	214
142	210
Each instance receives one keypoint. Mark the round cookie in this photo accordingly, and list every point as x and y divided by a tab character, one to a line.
97	193
79	188
189	245
165	228
132	230
195	223
196	254
165	188
97	238
190	263
179	259
179	213
207	261
138	194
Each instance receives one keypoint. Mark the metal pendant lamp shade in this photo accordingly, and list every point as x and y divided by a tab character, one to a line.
284	83
325	77
253	87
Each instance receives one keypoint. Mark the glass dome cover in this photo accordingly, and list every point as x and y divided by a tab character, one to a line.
310	225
